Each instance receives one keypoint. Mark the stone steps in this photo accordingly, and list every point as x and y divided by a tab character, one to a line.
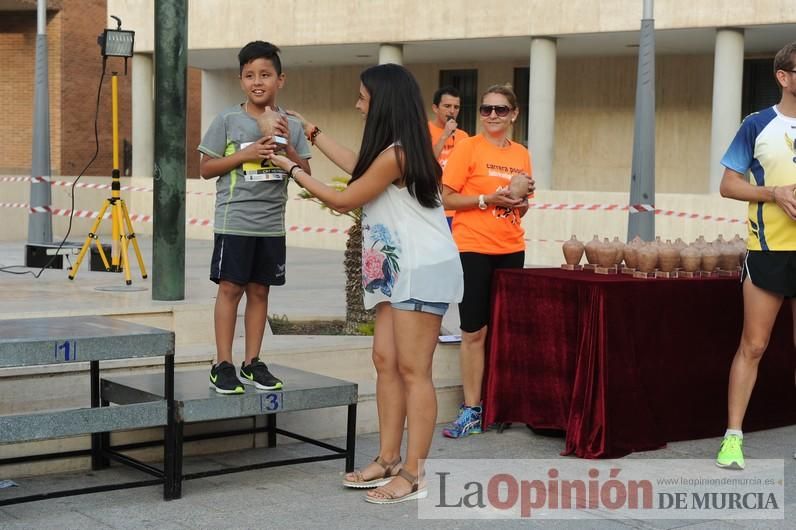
344	357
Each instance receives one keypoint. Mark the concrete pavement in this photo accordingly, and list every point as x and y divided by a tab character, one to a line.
310	495
306	495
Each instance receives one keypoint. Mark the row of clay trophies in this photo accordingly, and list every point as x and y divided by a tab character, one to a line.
657	259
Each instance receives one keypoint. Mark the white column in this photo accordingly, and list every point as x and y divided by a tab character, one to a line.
142	86
727	90
391	53
542	109
220	89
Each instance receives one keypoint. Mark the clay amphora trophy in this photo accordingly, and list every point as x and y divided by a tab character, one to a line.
518	187
668	260
690	260
606	258
740	246
573	252
647	260
619	247
710	260
630	255
267	122
591	253
728	260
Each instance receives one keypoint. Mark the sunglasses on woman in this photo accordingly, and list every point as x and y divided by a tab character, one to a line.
501	110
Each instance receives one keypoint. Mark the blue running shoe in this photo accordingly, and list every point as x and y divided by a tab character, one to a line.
468	422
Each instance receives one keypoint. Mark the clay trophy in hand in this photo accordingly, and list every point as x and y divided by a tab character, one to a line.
519	187
273	123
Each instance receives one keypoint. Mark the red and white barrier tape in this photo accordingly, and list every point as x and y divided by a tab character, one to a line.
195	221
89	185
635	209
316	230
577	206
638	208
192	221
556	241
206	222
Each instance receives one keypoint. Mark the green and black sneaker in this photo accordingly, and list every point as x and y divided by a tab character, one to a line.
257	374
223	379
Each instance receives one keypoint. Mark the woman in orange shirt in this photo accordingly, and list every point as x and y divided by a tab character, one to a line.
487	229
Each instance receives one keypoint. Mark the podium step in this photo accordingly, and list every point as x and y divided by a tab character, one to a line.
196	402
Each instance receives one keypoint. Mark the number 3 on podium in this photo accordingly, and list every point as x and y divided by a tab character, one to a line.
271	402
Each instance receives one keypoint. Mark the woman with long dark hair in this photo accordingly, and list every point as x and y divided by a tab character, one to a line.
411	270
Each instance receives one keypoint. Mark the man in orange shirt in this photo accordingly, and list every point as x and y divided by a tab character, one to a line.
444	129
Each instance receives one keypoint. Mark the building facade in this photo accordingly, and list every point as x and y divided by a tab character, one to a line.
74	76
573	64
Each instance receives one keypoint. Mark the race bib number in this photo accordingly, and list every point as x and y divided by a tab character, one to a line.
261	171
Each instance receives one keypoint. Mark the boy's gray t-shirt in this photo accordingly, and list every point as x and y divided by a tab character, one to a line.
249	206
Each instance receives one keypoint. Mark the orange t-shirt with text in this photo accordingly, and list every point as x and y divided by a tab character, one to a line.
478	167
450	143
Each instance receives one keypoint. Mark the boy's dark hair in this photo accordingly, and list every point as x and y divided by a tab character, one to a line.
785	58
396	115
260	50
445	90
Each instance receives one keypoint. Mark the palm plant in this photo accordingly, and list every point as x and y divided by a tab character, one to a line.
356	316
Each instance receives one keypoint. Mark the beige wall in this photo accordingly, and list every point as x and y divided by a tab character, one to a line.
227	23
326	96
595	99
595	102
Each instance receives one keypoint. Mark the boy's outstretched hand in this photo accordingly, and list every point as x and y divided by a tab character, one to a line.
261	149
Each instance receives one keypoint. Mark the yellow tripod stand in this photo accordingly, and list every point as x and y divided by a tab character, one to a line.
121	226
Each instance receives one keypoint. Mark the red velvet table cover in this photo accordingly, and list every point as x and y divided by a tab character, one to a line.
624	364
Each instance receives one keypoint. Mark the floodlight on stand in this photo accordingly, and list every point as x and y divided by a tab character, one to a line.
117	42
114	43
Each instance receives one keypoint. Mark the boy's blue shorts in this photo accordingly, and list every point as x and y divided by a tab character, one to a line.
247	259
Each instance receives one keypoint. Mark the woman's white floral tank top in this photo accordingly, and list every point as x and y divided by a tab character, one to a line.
408	252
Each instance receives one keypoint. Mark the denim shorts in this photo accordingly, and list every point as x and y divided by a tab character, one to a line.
413	304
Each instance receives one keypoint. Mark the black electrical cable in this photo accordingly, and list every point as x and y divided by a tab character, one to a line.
72	188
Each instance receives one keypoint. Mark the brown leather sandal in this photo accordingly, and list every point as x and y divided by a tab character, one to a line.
389	473
389	498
